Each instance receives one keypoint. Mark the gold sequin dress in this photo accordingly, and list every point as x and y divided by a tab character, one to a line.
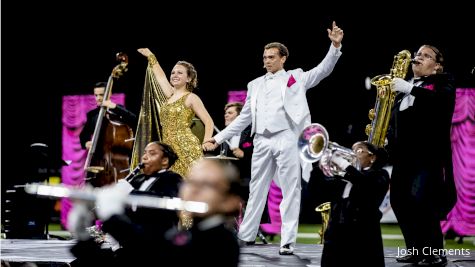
176	120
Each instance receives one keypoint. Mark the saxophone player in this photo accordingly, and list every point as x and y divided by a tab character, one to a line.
354	229
422	185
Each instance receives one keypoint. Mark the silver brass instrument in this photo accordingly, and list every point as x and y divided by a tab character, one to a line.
381	113
314	145
59	191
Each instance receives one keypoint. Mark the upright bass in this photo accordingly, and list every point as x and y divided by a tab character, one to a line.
108	158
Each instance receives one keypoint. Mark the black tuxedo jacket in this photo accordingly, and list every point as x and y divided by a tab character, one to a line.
139	227
246	145
420	146
166	184
213	246
118	114
369	187
354	225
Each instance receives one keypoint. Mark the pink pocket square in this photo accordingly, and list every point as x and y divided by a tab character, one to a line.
246	145
291	81
429	86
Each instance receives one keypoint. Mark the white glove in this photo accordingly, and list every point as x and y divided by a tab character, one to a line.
111	200
340	162
400	85
80	218
126	185
111	242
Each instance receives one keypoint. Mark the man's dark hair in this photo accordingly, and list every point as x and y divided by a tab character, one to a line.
283	51
168	152
100	84
238	106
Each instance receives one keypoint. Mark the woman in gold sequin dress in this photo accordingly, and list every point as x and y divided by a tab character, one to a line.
177	113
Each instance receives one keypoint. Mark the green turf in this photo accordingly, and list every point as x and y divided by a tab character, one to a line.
386	229
55	227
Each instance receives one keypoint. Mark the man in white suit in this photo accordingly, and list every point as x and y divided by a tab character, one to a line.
277	107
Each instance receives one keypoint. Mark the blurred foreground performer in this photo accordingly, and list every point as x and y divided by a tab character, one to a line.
208	243
353	236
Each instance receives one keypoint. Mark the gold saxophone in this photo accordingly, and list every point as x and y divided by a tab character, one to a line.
381	113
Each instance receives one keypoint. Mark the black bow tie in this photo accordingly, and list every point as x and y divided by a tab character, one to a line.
143	178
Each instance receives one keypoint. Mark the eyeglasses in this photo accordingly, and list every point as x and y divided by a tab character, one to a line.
424	55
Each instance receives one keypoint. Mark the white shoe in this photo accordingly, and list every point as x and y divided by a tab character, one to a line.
286	249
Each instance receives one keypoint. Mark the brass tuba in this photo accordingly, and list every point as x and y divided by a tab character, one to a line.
314	145
381	113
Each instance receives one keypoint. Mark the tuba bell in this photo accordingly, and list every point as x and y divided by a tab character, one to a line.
381	113
314	145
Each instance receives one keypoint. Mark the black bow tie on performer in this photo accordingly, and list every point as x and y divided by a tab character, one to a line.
134	171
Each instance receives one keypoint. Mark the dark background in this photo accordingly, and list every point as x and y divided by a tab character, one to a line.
54	49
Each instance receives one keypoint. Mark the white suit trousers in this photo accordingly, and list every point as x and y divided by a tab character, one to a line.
275	157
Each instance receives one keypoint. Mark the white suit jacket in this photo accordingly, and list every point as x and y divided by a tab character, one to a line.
294	96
